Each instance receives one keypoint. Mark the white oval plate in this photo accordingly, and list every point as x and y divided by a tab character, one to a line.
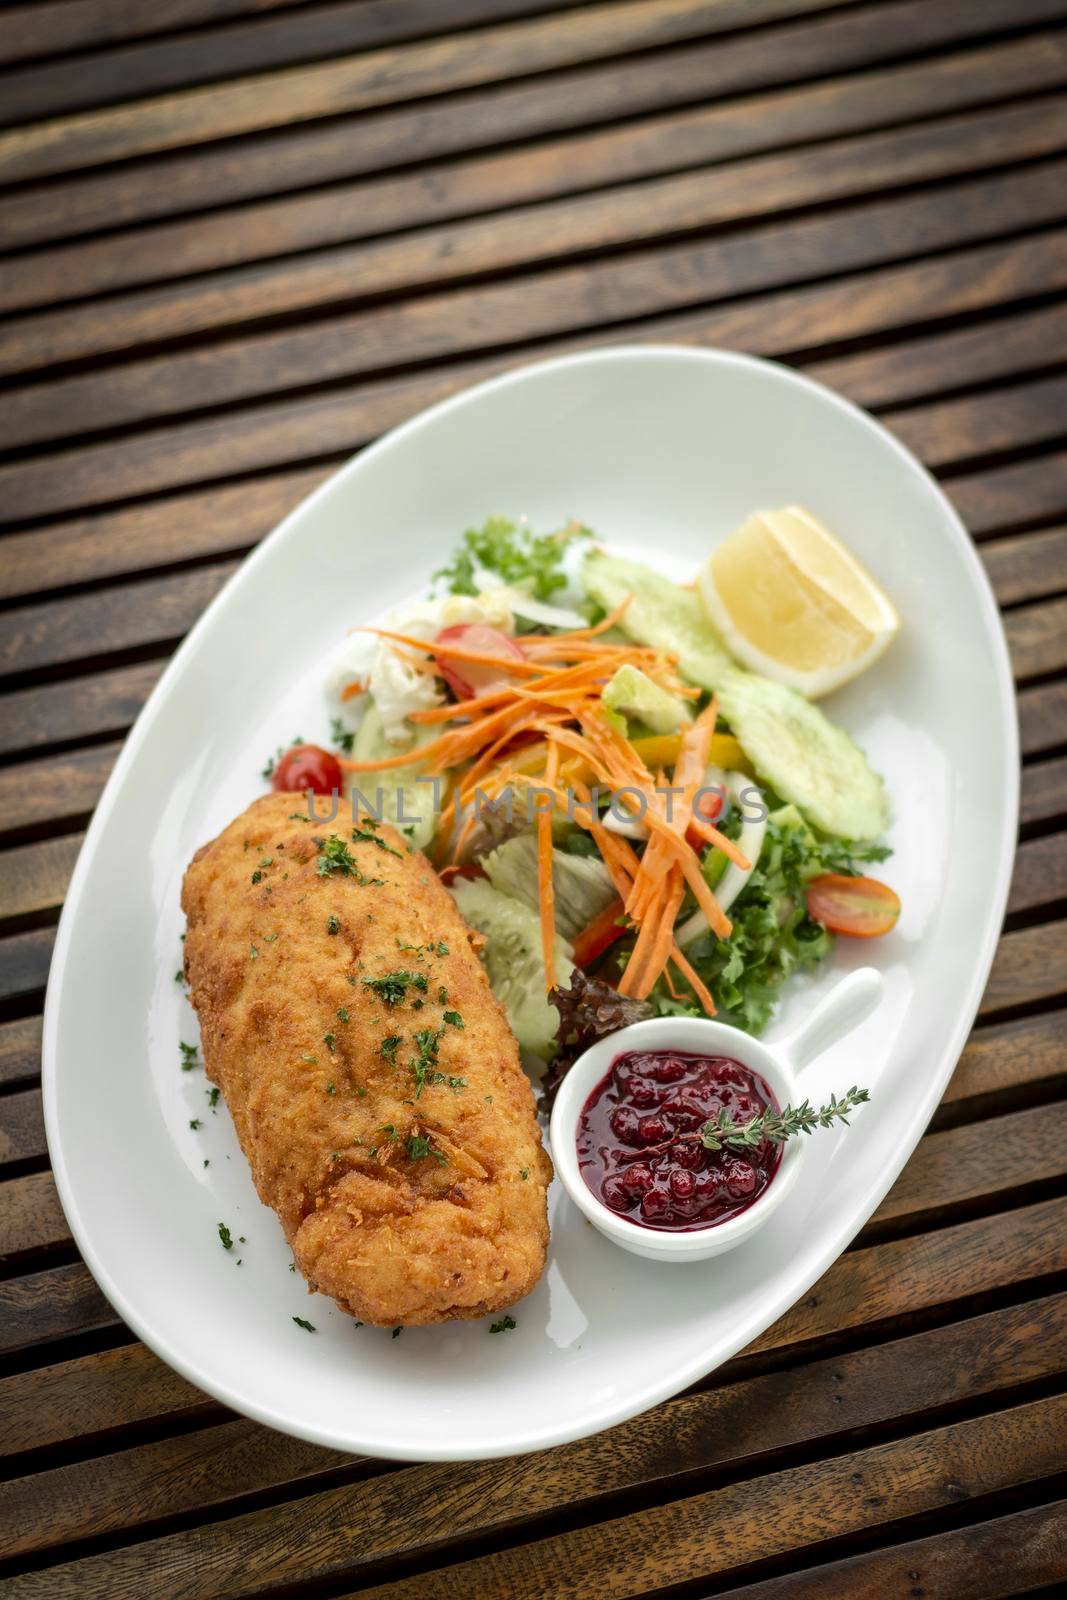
663	451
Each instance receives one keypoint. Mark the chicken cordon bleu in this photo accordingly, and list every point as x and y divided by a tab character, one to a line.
373	1080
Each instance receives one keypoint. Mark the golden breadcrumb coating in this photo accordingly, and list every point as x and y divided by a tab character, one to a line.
372	1077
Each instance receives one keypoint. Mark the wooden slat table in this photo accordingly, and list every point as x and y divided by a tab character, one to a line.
241	238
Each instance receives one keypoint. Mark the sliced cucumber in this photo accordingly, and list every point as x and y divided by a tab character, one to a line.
660	614
513	960
582	884
395	792
633	694
805	757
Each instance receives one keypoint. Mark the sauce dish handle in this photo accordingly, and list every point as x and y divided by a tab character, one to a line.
844	1008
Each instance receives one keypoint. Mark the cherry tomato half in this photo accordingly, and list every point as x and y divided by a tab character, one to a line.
469	679
860	907
307	766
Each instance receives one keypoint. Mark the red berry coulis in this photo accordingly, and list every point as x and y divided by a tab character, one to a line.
638	1148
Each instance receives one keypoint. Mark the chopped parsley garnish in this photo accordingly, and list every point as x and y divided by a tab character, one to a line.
515	554
397	1332
457	1085
225	1237
524	1173
442	996
420	1146
257	876
196	1124
442	948
308	1327
388	1129
425	1063
213	1098
341	736
454	1019
333	924
190	1056
268	861
253	953
389	1048
505	1325
393	987
331	1087
342	1014
367	836
179	976
312	1060
330	1041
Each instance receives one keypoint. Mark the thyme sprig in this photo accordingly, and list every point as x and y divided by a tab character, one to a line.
778	1126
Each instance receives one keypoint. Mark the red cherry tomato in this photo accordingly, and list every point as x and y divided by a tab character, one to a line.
709	806
469	679
861	907
307	766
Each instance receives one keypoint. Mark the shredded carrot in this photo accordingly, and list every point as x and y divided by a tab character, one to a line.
546	892
350	690
692	978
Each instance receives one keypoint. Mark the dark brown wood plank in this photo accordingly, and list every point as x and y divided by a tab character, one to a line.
1010	1055
196	1472
91	1396
105	702
1013	1555
24	963
715	1429
50	1305
644	149
1040	876
772	1516
946	433
31	1217
20	1050
56	789
868	235
21	1128
34	877
1030	966
1026	568
207	523
1037	638
65	631
375	78
1044	791
45	30
308	34
624	1556
1005	497
688	75
1042	718
950	1168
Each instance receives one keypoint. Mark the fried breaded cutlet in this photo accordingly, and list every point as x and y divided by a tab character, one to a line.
372	1077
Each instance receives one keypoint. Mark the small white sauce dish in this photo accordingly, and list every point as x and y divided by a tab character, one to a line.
844	1008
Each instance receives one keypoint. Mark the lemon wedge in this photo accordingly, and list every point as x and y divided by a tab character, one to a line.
791	602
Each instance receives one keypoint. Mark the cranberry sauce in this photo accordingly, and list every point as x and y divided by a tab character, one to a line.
639	1148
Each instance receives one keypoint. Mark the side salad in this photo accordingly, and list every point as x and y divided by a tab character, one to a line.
635	822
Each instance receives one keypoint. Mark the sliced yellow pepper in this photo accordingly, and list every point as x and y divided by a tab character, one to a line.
661	750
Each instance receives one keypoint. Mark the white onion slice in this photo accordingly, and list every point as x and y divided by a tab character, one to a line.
733	880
